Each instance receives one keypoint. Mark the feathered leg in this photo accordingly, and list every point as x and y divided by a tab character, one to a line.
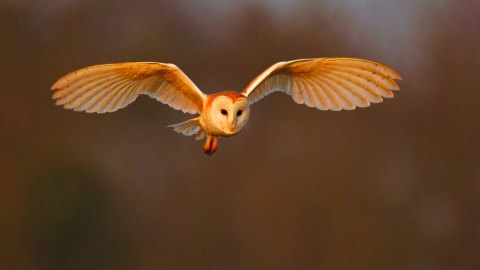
210	145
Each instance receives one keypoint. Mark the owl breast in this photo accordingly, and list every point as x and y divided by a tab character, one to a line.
225	113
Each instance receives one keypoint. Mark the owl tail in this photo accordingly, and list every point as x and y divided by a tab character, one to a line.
189	128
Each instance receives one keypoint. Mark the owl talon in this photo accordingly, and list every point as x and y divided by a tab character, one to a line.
210	145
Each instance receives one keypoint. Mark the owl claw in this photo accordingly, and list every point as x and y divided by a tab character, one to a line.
210	145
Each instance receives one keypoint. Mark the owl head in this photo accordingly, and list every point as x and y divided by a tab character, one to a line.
229	112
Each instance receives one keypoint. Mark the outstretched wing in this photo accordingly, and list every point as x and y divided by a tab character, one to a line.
107	88
327	83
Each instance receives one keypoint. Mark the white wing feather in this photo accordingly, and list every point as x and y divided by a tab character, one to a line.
327	83
107	88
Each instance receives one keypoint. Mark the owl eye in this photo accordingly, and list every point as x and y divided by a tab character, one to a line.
239	112
224	112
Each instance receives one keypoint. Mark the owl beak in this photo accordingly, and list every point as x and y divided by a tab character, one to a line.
231	124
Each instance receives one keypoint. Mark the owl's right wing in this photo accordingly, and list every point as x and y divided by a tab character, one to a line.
327	83
109	87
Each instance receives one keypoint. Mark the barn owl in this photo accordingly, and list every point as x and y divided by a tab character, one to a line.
323	83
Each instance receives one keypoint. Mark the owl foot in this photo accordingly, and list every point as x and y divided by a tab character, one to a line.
210	145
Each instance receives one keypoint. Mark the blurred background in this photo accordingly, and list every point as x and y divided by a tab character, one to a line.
392	186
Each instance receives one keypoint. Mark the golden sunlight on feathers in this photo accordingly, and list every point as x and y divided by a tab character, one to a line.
327	83
323	83
107	88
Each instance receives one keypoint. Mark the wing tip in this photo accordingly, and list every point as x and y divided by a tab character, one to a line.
394	86
394	74
58	84
59	102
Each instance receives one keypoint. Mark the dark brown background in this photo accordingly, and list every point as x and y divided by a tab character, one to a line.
393	186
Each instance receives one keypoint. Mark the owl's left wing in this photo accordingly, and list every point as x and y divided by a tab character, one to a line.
327	83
